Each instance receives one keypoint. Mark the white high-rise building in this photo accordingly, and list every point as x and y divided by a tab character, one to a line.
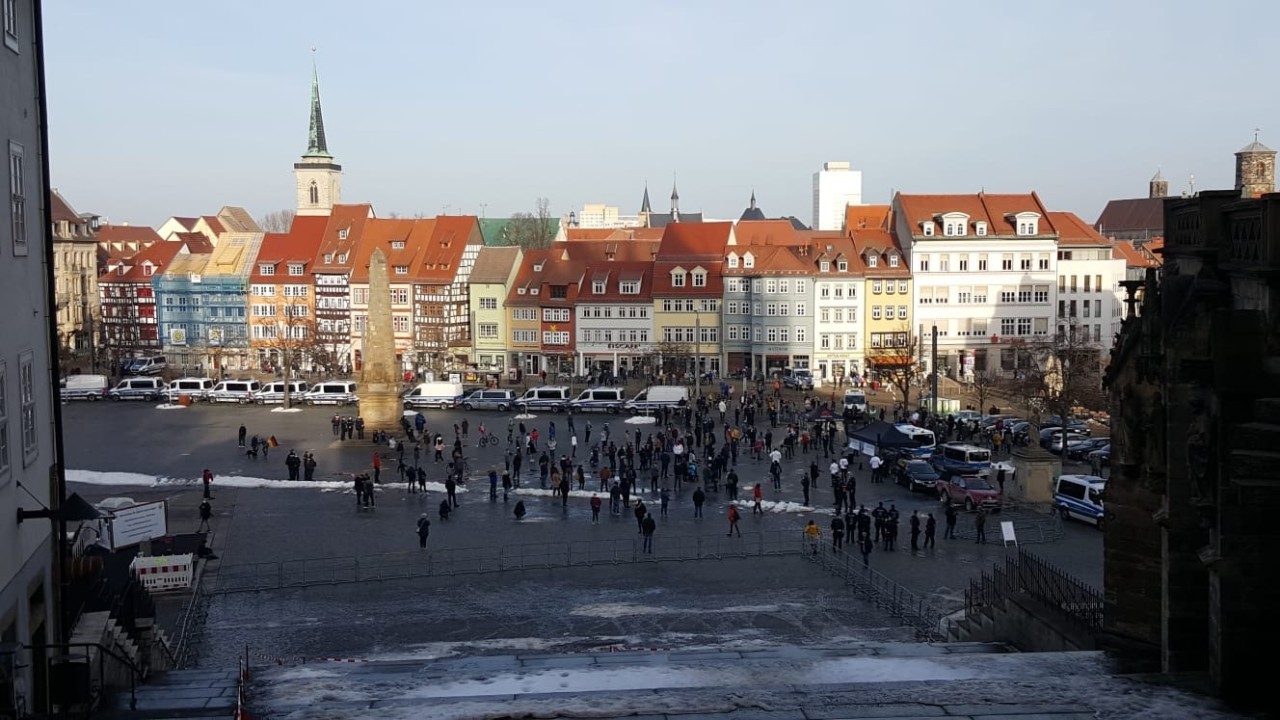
599	216
30	475
835	186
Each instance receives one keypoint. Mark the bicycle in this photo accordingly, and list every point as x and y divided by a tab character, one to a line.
487	438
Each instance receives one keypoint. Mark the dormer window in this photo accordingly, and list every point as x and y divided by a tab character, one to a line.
342	234
148	269
402	269
537	267
955	224
872	260
533	291
677	277
296	269
343	258
893	260
926	228
520	291
597	287
699	278
328	258
733	260
980	228
842	265
825	266
748	260
122	270
397	244
1027	223
266	269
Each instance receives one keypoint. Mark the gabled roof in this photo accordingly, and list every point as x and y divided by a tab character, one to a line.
188	223
296	246
234	254
661	220
614	273
1134	256
1072	231
187	263
770	260
235	219
127	234
443	253
381	233
214	223
61	209
1136	216
996	209
494	264
765	232
195	242
160	255
614	248
881	243
693	240
352	219
527	278
860	217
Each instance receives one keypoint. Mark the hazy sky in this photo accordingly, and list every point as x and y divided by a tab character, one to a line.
177	108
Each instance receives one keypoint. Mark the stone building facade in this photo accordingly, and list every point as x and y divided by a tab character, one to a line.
1195	487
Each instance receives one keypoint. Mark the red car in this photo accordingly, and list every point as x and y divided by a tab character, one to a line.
968	490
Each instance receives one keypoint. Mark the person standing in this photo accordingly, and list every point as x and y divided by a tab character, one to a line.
699	498
647	526
564	491
240	436
206	514
506	486
930	528
814	535
293	463
876	464
664	498
207	478
837	533
309	466
950	532
757	494
451	490
866	545
734	516
493	484
377	467
980	525
595	508
915	531
424	530
804	485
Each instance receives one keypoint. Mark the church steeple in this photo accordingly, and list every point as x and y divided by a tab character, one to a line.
316	144
317	176
753	198
644	204
675	199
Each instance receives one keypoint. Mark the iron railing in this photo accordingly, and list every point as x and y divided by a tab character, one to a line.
251	577
1032	524
1030	575
882	591
191	624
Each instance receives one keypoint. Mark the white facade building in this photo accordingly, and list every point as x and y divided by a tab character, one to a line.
597	216
1090	299
838	330
985	273
614	328
29	470
835	186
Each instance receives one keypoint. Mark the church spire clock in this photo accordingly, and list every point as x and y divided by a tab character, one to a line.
317	177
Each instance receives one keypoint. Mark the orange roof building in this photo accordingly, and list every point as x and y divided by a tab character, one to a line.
282	318
128	300
688	289
332	272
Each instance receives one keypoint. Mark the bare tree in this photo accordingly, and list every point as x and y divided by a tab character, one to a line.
534	230
984	385
276	221
289	338
1065	373
675	356
896	361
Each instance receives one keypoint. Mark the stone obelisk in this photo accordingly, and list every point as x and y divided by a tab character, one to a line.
379	390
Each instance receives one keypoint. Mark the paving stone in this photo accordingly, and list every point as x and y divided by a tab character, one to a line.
742	714
154	704
1015	710
894	710
159	694
699	656
562	661
1079	715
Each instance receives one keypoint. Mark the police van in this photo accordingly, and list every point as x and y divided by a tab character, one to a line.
1080	497
599	400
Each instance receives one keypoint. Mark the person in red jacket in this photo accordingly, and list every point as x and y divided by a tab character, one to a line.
756	494
595	508
377	467
733	521
207	478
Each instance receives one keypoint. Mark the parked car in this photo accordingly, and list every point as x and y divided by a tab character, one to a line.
545	397
1080	497
240	391
333	392
273	392
916	475
1058	441
1103	455
1081	450
196	388
1071	424
84	387
967	490
489	399
798	378
144	365
137	388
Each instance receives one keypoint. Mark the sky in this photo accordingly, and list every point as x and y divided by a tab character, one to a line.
161	108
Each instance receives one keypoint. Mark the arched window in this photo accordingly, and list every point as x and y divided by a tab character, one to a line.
315	193
1262	168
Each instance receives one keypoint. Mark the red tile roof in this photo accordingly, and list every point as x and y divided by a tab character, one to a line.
608	250
214	223
613	273
883	244
527	278
381	233
1072	231
692	240
443	253
352	219
765	232
299	245
186	222
195	242
127	234
993	208
61	209
158	254
1133	256
861	217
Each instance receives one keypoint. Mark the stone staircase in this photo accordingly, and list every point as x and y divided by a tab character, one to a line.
848	682
193	694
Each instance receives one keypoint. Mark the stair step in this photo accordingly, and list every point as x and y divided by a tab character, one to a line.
1263	464
1257	435
1267	410
1263	484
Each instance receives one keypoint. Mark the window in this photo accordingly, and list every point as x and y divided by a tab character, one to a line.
402	269
1097	283
1007	326
888	287
893	260
488	303
1008	295
629	287
800	310
839	291
824	266
1024	262
924	264
733	260
732	332
27	407
1042	294
902	288
927	228
397	244
400	296
771	335
755	308
877	287
11	24
982	264
677	278
802	287
707	305
1043	262
755	334
783	308
748	260
824	291
360	296
597	287
262	311
902	312
875	312
962	264
1073	283
771	286
266	269
824	341
944	263
17	186
771	309
1024	326
524	336
980	228
256	290
296	291
839	315
872	261
709	334
699	279
784	287
400	323
4	422
1024	293
488	331
1006	262
555	314
784	334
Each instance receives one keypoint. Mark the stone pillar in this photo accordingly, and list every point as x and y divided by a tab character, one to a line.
1034	472
1185	584
380	404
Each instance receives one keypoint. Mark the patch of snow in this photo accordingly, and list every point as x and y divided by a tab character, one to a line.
617	610
93	477
170	406
641	420
770	506
283	409
525	416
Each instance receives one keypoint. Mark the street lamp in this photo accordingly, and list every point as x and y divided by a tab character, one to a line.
697	355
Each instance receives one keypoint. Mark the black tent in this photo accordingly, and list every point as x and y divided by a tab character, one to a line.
882	435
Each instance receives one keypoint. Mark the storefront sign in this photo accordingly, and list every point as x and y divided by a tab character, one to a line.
637	347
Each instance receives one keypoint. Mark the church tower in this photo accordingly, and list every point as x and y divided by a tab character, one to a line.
319	178
1158	187
1255	169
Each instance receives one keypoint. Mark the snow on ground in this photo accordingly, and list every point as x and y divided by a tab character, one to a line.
641	420
170	406
93	477
770	506
525	416
283	409
613	610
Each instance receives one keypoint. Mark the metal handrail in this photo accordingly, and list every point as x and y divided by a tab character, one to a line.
252	577
190	617
1028	574
135	673
908	606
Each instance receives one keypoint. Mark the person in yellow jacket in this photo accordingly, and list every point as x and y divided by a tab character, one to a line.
814	535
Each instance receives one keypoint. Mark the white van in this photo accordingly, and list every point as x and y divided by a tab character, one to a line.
605	399
798	378
139	388
548	397
489	399
332	392
85	387
238	391
1080	496
193	387
855	400
273	392
145	365
655	397
439	394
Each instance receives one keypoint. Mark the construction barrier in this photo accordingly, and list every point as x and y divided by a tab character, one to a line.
163	572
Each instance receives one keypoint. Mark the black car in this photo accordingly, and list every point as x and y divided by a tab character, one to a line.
1081	451
916	475
1072	425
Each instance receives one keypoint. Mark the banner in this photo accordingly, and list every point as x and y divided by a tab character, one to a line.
137	523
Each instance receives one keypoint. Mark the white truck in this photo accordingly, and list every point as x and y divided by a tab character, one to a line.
656	397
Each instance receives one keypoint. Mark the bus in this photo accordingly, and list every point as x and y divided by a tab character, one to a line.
962	459
925	440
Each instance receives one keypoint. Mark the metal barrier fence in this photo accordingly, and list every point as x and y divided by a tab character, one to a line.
252	577
908	606
1025	573
1031	524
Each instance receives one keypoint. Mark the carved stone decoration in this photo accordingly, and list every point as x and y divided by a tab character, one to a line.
1199	446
